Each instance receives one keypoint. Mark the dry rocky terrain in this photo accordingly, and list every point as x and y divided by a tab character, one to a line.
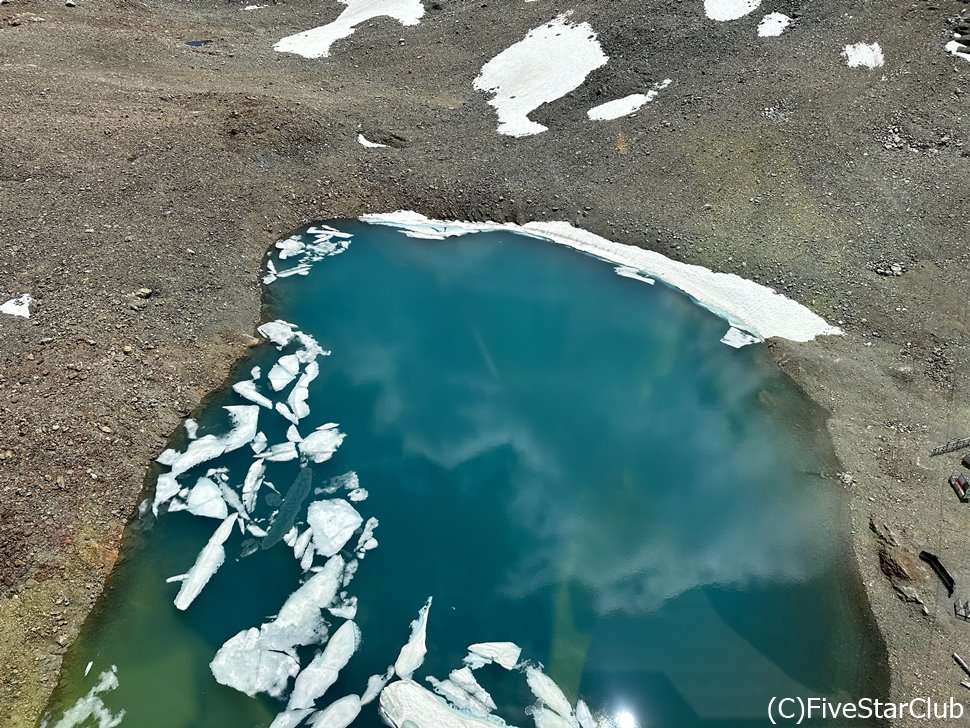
142	180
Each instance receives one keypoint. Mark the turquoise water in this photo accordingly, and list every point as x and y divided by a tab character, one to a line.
561	458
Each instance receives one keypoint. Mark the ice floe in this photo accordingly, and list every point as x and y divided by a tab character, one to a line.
867	55
207	563
548	63
958	49
548	693
252	482
316	43
505	654
244	420
458	697
406	703
584	716
412	654
465	679
376	683
17	306
736	338
367	542
247	390
744	304
262	660
90	709
333	523
325	241
627	105
773	24
245	664
723	10
365	142
320	445
284	371
339	714
316	678
205	499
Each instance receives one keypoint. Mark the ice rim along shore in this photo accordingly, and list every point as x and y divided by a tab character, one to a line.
754	312
266	658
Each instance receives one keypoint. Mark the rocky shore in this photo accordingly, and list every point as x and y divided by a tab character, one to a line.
144	174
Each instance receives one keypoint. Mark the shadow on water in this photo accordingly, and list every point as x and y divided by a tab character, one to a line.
562	458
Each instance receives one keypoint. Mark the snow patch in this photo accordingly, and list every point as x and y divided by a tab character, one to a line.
773	24
315	43
627	105
18	306
365	142
548	63
868	55
958	49
724	10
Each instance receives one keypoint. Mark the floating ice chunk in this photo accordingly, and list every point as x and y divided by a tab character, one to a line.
91	708
166	488
737	338
316	678
293	434
345	610
333	523
207	563
958	49
301	543
412	654
376	683
773	24
627	105
232	500
405	702
365	142
243	419
546	718
465	679
300	621
367	542
306	561
247	390
175	579
357	495
297	400
547	64
320	445
205	499
723	10
18	306
255	373
339	714
252	482
858	55
284	410
259	442
280	333
284	371
458	697
505	654
315	43
548	693
280	452
255	531
245	664
584	716
87	669
191	428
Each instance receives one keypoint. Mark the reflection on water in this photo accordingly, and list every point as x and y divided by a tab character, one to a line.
561	458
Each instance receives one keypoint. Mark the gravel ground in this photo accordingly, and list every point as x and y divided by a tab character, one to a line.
142	179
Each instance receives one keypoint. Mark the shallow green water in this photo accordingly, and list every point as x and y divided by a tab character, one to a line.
561	457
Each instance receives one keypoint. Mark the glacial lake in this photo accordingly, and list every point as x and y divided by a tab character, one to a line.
561	457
